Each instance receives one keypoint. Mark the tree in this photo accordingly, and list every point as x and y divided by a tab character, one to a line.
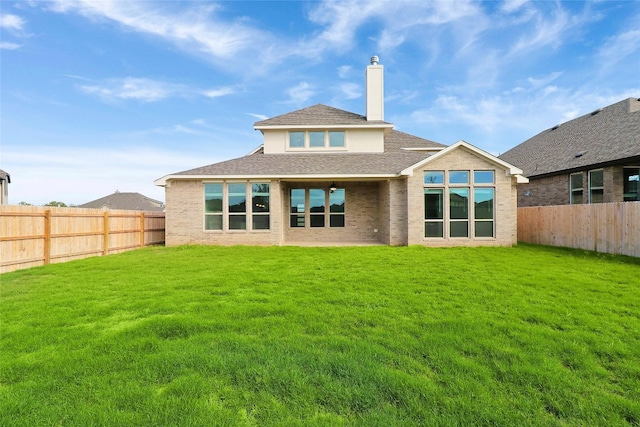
56	204
24	204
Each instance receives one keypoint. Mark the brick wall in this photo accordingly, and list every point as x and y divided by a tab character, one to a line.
505	202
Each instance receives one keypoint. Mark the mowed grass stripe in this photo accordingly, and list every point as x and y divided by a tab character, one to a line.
323	336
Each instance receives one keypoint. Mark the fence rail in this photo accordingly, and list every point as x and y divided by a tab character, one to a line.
32	235
604	227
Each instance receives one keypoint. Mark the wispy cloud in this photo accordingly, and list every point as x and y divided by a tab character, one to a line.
145	89
300	93
10	45
258	116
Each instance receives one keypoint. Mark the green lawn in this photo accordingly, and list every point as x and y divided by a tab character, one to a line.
370	336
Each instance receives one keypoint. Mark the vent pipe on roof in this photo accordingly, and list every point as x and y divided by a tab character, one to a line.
374	82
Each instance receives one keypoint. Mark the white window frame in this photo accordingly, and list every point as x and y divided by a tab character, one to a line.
225	208
307	140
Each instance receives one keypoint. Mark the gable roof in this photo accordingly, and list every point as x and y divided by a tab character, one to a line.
400	153
125	201
602	137
317	115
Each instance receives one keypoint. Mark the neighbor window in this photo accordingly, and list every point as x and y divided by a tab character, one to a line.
575	183
316	215
225	206
317	139
596	186
451	215
631	185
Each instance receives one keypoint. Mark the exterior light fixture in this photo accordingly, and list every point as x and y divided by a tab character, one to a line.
332	187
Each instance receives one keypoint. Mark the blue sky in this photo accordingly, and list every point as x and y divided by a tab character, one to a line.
111	95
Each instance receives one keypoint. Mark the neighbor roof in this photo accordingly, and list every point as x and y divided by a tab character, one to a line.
399	154
317	115
125	201
605	136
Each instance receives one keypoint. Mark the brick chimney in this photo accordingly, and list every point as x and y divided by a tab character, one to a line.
374	78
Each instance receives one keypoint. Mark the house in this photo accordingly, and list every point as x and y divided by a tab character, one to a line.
329	176
125	201
592	159
5	180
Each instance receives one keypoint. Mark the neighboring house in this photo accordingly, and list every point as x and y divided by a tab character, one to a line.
125	201
328	176
5	180
592	159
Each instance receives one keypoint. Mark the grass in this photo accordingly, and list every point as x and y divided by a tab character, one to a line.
371	336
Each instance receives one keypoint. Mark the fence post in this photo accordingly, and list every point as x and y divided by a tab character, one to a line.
47	236
105	243
142	229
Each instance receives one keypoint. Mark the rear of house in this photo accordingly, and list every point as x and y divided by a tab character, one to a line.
329	176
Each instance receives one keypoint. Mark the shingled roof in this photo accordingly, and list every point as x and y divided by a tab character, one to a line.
606	136
318	115
396	158
125	201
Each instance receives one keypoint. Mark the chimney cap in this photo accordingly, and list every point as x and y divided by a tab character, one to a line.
375	60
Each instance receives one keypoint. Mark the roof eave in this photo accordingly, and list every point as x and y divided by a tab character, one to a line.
368	125
165	180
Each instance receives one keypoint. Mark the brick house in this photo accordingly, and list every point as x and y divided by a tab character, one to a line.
594	158
125	201
329	176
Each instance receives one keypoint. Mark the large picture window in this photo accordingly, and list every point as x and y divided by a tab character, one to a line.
317	214
448	204
226	208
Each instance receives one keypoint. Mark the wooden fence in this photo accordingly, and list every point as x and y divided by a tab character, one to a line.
33	235
604	227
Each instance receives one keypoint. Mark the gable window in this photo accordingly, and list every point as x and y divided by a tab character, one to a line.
631	185
317	140
596	186
575	183
317	200
452	215
225	206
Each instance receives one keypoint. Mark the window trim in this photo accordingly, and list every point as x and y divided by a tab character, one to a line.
624	183
576	190
326	214
248	213
448	189
307	140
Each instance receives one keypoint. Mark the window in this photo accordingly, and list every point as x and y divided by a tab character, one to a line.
458	177
296	139
631	185
596	186
433	212
260	197
336	139
237	206
459	212
317	139
434	177
225	206
316	215
316	207
297	207
336	208
213	206
575	183
483	211
452	215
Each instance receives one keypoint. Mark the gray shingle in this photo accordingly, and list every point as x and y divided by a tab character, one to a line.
125	201
317	115
604	136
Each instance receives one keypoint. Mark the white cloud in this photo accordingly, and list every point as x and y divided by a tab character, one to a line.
344	71
350	90
12	23
258	116
300	93
510	6
619	48
10	45
216	93
141	89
